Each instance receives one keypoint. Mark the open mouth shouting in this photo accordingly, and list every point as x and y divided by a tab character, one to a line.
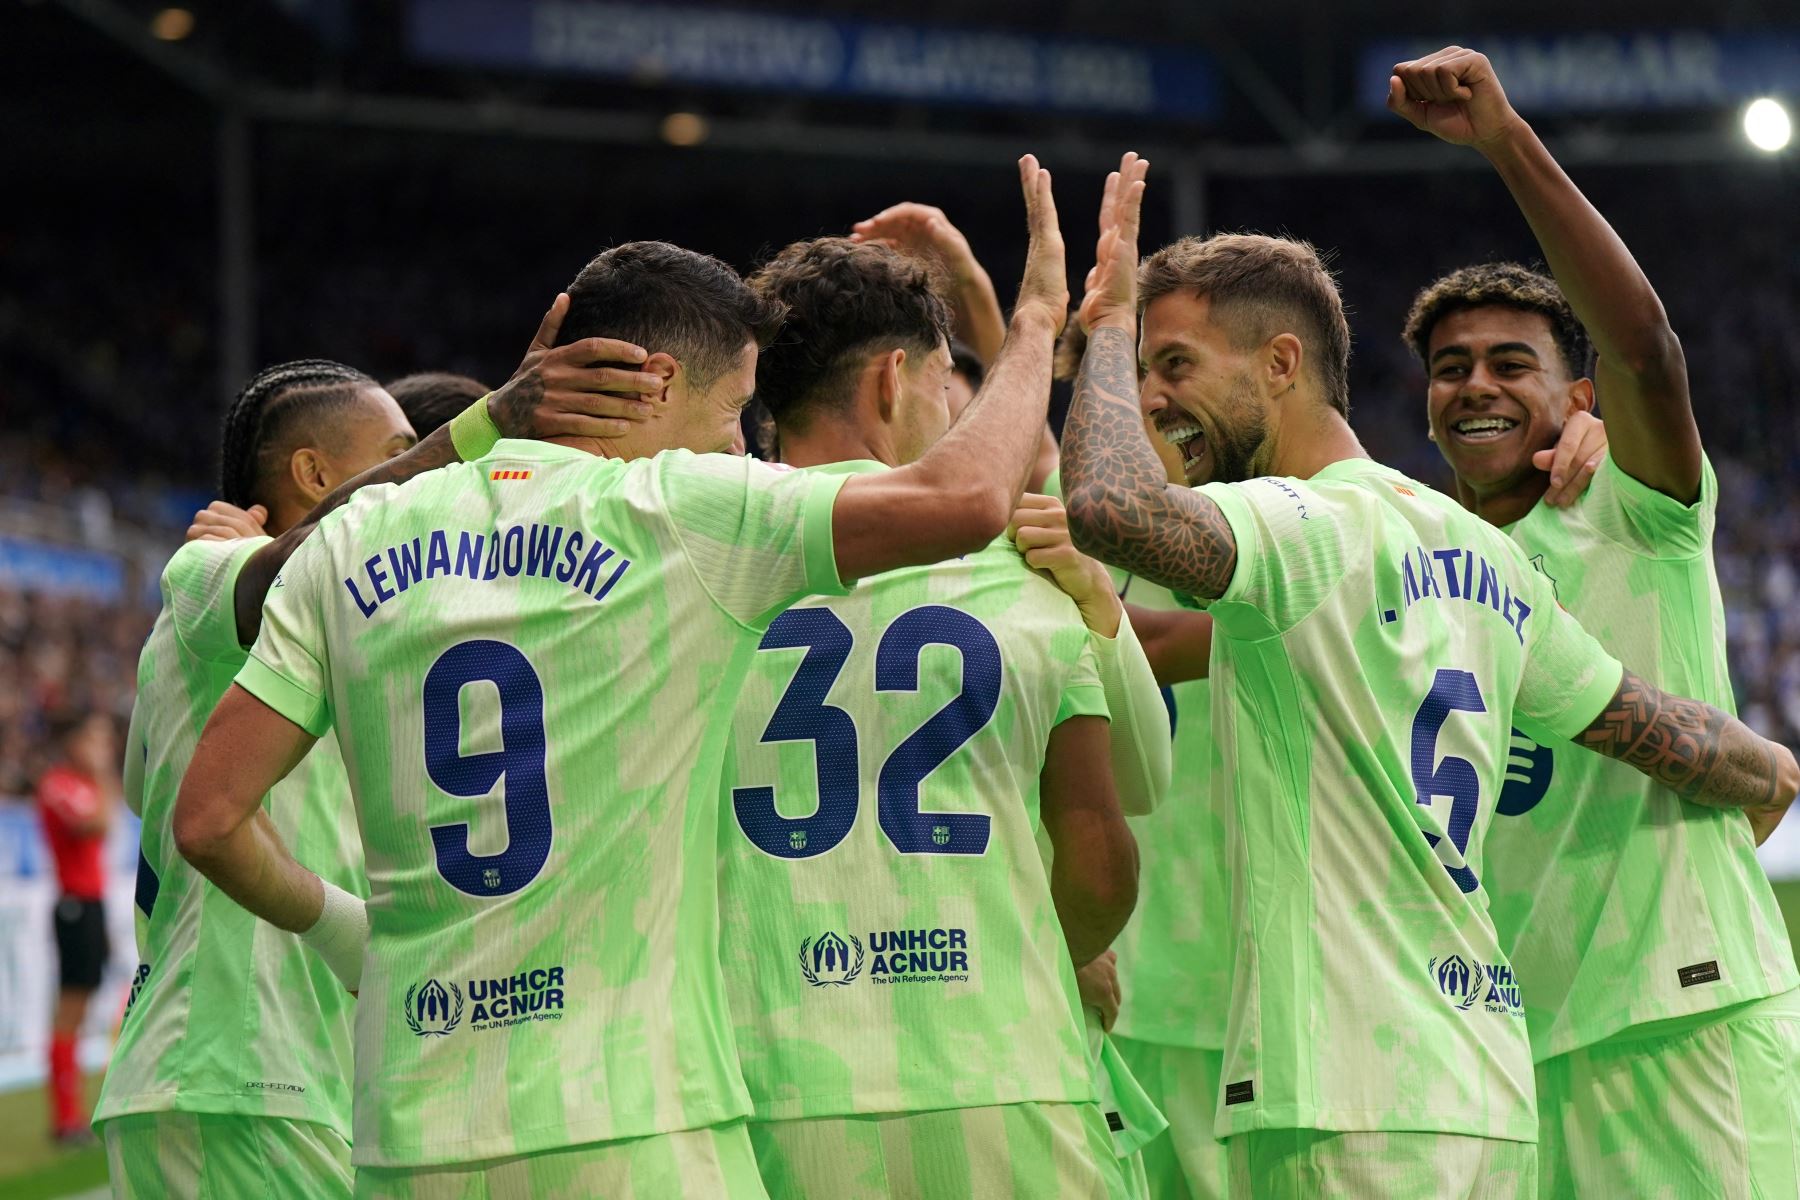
1185	434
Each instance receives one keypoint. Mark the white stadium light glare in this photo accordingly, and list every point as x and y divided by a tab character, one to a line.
1767	125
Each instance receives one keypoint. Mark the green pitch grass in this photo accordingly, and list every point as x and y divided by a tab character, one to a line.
32	1167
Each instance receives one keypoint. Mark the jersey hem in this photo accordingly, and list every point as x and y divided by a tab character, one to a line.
816	1108
1157	1037
537	1140
1641	1019
217	1104
1356	1120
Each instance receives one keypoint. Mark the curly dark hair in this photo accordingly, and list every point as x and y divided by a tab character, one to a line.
264	419
430	398
845	300
1510	285
670	300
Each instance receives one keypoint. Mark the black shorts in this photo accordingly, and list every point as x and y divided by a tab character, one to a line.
80	941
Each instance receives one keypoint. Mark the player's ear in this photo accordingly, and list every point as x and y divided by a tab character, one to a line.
887	383
1580	398
666	366
310	473
1282	356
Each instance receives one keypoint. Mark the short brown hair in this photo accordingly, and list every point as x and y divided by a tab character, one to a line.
1256	283
844	301
689	306
1509	285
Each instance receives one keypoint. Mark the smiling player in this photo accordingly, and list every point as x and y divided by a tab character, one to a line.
1659	982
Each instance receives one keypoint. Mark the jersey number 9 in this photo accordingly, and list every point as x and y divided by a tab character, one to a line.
520	761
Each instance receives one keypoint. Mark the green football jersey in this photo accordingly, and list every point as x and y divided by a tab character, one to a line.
1175	954
890	944
1368	657
228	1014
1618	902
530	661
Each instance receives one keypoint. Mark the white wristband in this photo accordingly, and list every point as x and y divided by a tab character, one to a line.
340	935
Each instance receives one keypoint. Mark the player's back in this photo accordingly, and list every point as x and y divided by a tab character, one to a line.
528	660
228	1014
890	942
1368	657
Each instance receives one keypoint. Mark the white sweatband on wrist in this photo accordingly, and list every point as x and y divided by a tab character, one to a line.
340	935
1142	756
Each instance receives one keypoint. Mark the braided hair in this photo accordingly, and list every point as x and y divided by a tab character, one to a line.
267	408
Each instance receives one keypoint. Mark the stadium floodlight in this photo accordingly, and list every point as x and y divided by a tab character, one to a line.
172	24
1767	125
684	129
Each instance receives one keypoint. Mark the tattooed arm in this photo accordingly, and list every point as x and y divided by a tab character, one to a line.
1122	509
1697	751
558	391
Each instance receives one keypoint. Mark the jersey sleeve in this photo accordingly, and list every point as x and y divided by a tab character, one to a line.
1141	747
1290	554
286	668
1083	694
758	536
199	587
1646	521
1568	676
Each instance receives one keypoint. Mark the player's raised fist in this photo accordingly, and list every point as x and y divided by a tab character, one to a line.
1112	283
1045	287
1453	94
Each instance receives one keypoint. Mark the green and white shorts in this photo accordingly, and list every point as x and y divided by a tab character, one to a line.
1131	1117
1307	1164
208	1156
1705	1106
715	1162
1185	1162
1003	1152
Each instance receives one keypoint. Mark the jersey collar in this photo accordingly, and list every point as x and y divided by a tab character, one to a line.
535	450
850	466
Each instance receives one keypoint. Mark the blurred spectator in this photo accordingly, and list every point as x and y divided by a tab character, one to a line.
58	654
76	800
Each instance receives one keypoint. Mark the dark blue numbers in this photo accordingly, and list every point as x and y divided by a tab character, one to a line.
803	715
1528	771
519	761
1451	691
897	670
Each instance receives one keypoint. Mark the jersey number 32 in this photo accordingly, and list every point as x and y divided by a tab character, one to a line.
803	715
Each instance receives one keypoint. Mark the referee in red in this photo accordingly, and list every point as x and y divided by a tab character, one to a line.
76	800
